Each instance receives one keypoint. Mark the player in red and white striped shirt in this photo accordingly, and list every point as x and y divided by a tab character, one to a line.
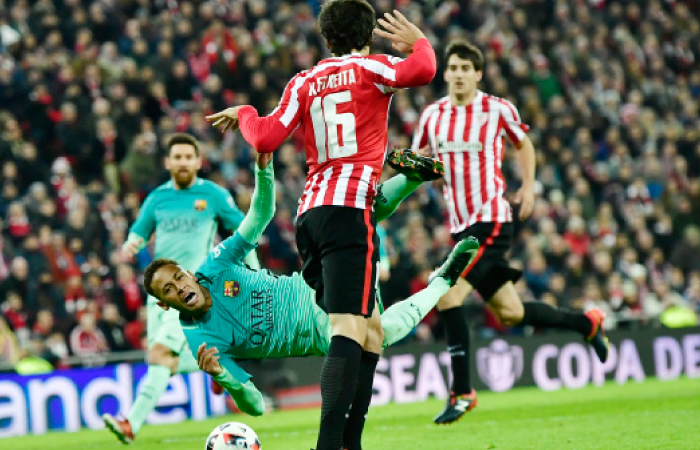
342	106
465	130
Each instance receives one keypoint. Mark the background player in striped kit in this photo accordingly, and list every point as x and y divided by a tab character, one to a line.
465	131
183	213
240	313
342	106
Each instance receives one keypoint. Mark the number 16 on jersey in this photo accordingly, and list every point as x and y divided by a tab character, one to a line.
333	131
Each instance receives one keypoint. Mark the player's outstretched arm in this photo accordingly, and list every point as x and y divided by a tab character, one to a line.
246	396
262	208
262	205
265	134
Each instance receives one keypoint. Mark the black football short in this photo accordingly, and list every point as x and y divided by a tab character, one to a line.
340	249
490	269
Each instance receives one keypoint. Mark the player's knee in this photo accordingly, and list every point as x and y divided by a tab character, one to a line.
511	313
349	325
505	302
375	337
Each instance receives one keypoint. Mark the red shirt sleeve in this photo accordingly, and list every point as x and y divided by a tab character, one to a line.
265	134
420	66
416	70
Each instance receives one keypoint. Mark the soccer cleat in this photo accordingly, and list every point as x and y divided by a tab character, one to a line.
216	387
457	406
414	166
459	259
597	338
120	428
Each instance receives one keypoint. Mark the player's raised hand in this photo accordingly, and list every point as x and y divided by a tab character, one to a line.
130	249
525	197
208	360
402	33
225	120
263	160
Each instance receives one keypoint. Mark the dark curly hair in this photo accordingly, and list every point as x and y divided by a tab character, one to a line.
465	50
152	269
347	25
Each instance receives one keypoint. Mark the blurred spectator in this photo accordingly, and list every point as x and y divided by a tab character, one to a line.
135	331
112	326
18	222
9	349
61	259
129	294
18	280
685	254
537	275
56	351
140	168
44	325
15	313
76	301
86	339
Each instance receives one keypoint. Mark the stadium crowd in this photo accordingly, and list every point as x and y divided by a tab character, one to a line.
90	89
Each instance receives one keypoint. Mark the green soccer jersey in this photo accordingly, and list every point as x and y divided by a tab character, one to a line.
185	220
254	314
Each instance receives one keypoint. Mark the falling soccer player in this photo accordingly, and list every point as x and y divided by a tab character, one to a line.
230	312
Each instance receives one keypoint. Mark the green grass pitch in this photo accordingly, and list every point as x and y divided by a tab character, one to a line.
651	415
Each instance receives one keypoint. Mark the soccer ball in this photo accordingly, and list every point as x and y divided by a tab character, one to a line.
233	436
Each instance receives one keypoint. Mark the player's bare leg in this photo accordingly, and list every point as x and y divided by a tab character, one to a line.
507	306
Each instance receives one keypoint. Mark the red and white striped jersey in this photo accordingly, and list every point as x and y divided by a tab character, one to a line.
469	142
342	106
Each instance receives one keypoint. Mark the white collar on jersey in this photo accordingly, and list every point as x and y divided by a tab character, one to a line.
477	98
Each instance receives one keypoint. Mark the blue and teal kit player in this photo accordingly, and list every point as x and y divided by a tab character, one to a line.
183	213
247	314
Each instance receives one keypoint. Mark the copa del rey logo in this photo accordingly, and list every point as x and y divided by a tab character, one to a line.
500	365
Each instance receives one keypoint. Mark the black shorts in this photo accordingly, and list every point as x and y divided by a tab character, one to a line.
490	269
340	249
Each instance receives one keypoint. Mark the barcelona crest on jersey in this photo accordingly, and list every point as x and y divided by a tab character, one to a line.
200	205
232	288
